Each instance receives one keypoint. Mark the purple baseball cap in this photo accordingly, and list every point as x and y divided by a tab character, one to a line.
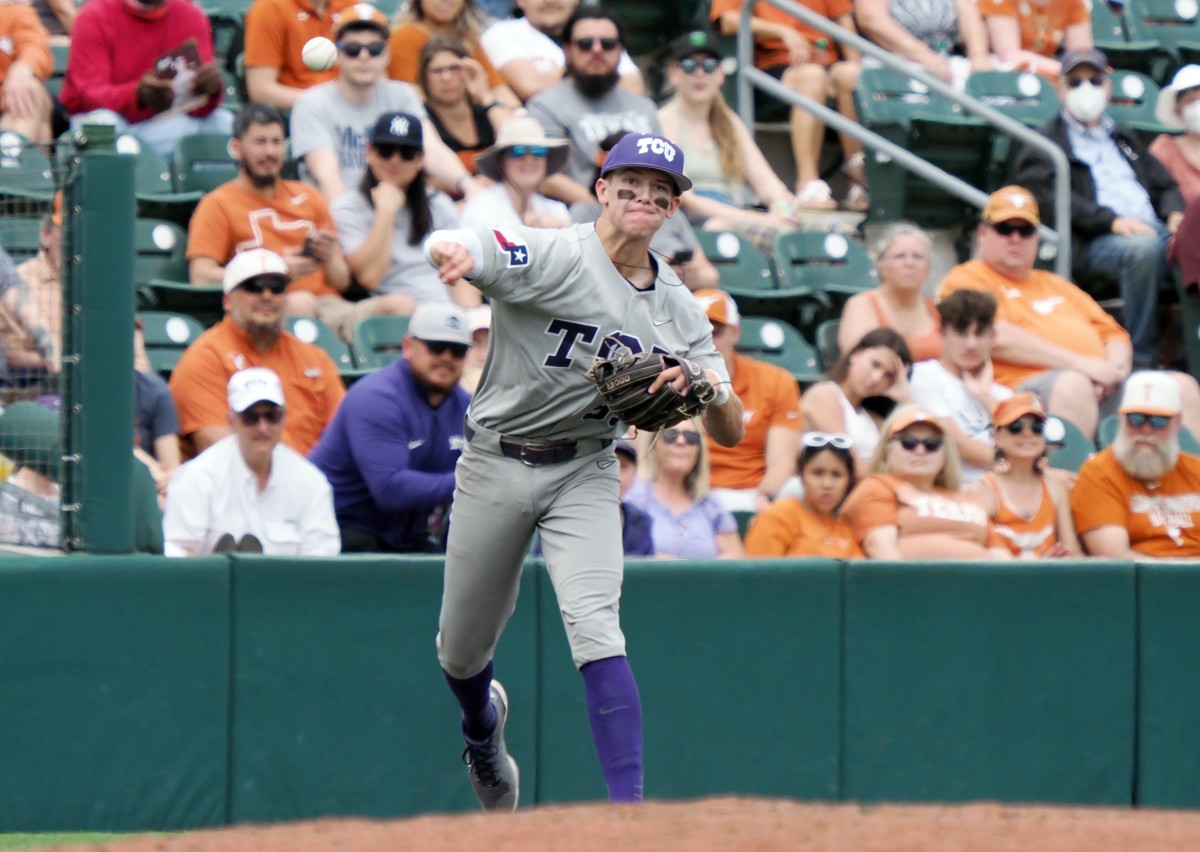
647	151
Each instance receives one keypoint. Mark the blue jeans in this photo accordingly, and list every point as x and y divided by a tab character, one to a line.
1140	265
161	134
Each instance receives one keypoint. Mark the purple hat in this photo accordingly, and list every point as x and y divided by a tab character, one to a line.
1084	56
647	151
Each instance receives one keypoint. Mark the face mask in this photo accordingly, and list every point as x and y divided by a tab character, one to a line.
1191	117
1086	102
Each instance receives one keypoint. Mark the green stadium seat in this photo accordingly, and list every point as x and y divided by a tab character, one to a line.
1133	100
26	176
54	82
203	162
152	187
827	343
1025	97
1072	450
377	341
20	236
166	335
1123	43
836	265
1170	23
160	251
319	334
776	342
1189	320
203	303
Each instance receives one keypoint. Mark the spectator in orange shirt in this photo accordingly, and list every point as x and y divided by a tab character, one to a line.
252	335
1139	499
749	476
810	525
910	507
258	209
806	61
25	63
276	32
1052	339
1031	511
1026	35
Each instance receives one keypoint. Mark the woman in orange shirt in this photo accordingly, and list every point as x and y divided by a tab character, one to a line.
810	526
910	507
1030	511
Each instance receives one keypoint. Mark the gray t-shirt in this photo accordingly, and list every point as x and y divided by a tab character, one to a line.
566	114
322	118
408	272
556	300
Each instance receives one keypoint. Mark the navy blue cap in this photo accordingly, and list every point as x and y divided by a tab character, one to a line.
398	128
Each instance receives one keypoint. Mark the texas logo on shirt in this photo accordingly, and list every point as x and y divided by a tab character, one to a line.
518	252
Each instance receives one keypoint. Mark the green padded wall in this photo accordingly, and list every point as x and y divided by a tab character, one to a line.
1169	686
115	676
738	666
339	704
989	681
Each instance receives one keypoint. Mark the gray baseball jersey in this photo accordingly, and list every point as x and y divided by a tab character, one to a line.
557	303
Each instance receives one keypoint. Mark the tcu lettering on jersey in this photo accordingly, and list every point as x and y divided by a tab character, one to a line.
517	251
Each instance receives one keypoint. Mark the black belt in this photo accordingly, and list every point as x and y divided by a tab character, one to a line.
535	454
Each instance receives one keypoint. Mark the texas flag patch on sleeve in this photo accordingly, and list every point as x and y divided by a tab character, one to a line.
517	250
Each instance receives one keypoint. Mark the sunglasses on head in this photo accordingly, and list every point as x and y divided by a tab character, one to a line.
257	286
673	436
828	439
273	416
1006	229
910	443
606	43
519	151
458	351
406	152
354	48
709	64
1035	425
1095	80
1157	422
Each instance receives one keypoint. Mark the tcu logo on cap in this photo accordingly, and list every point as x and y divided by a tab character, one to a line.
656	146
399	126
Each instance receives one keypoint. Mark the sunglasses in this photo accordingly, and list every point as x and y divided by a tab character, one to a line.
1096	80
1158	422
1037	427
910	444
1007	229
673	436
708	64
827	439
257	286
457	351
519	151
354	48
406	152
606	43
273	416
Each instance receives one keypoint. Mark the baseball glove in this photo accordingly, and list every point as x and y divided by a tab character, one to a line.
623	379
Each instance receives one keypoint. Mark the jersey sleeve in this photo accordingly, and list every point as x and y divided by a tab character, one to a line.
525	264
499	46
871	504
1097	500
266	35
209	232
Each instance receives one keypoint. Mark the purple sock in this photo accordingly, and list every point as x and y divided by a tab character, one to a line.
615	713
474	696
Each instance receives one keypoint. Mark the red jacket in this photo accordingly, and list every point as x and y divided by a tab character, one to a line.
113	45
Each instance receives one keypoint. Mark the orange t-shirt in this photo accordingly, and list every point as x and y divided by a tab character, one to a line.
276	32
1162	521
1042	27
23	37
405	45
1025	537
1044	304
770	398
933	524
788	528
927	347
771	53
312	388
232	219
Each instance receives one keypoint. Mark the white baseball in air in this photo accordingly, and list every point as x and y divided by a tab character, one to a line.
319	53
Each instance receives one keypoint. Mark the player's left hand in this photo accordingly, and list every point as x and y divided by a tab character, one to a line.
678	380
453	261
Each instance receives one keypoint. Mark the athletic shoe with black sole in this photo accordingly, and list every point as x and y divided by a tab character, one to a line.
493	772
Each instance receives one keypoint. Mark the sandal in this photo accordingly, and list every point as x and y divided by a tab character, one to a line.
816	195
855	169
857	199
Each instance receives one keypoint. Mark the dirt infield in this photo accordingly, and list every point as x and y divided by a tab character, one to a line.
719	824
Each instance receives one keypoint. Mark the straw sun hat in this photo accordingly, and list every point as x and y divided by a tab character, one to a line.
522	130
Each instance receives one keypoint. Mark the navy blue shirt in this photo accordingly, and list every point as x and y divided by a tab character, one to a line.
390	456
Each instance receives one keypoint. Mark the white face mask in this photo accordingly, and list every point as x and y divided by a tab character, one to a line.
1086	102
1191	117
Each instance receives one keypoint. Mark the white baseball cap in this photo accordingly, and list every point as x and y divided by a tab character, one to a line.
440	322
1151	392
1187	77
254	384
252	264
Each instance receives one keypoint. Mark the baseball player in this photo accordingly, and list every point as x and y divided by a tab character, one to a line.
539	451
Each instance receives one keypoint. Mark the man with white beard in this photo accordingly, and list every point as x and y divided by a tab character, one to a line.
1140	498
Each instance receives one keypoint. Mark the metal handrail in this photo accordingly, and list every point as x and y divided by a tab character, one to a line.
750	77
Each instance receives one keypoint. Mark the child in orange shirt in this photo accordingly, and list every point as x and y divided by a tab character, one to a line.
809	526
